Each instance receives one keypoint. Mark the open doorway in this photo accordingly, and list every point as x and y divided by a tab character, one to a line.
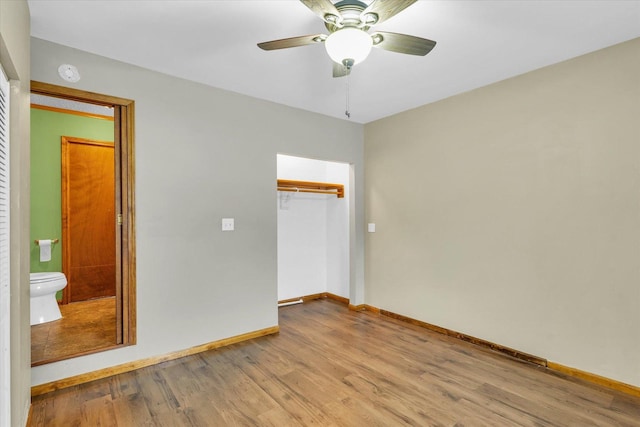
313	231
106	257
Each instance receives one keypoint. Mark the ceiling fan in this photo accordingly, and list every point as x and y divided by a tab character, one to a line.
348	42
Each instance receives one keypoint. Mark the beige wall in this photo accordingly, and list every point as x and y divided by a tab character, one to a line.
512	213
14	57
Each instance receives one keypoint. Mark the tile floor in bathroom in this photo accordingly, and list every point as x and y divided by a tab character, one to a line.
85	326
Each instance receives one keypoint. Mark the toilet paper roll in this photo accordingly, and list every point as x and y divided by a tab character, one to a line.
45	250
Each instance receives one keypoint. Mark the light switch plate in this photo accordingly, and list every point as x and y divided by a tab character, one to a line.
228	224
371	227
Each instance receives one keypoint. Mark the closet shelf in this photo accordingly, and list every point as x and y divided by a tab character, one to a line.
311	187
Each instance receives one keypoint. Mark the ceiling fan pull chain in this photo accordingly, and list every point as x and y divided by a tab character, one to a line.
347	112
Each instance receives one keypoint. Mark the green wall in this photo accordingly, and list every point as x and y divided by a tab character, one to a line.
46	211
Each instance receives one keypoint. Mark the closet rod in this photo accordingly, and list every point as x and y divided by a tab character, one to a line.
311	187
304	190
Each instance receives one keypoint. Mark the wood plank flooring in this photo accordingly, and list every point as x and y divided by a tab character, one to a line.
333	367
85	327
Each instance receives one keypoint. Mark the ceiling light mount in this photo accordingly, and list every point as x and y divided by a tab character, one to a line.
350	16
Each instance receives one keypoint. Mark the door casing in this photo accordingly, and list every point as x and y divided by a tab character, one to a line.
124	197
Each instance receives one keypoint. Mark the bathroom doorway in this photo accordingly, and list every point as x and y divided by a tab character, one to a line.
108	262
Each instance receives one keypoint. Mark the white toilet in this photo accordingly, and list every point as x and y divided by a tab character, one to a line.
44	307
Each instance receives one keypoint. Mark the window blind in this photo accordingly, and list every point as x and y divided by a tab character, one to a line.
5	329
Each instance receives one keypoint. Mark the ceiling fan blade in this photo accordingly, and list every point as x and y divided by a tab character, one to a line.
384	9
292	42
402	43
340	70
324	9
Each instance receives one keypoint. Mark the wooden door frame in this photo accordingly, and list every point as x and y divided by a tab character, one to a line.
124	193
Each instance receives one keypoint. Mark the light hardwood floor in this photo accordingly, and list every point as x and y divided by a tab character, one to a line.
85	327
333	367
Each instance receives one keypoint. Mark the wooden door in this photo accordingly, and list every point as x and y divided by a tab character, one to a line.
88	219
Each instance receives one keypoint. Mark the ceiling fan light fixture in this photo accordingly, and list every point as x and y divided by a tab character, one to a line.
348	44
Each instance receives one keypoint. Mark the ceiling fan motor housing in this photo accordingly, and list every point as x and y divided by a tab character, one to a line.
350	11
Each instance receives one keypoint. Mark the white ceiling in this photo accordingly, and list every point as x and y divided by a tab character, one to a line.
214	42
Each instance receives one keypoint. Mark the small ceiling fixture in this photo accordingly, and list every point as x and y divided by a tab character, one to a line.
69	73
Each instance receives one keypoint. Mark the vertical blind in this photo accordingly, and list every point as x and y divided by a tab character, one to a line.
5	330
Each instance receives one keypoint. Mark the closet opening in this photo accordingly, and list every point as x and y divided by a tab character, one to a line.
313	229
